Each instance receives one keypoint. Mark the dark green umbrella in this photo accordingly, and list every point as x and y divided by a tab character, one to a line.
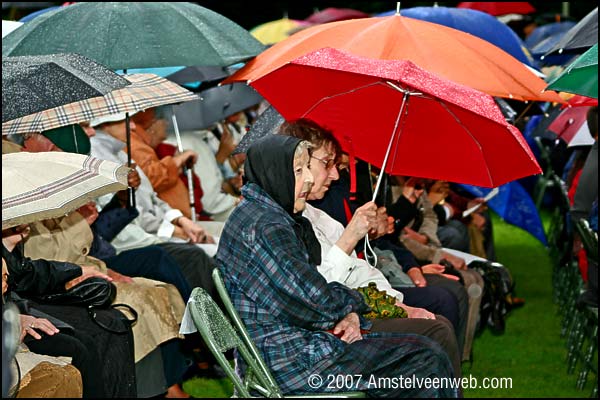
581	77
136	35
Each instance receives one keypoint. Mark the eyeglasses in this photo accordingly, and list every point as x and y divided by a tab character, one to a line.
328	163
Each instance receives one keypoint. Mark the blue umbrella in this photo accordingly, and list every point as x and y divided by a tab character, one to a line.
542	32
476	23
31	16
515	206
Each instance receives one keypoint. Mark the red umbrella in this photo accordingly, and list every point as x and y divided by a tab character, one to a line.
332	14
431	127
571	126
581	101
496	8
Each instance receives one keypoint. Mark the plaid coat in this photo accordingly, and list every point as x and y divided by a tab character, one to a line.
287	306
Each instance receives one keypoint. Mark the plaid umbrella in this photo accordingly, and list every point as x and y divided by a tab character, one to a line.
38	186
145	91
35	83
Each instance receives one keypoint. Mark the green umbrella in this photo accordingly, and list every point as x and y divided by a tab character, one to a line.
581	77
136	35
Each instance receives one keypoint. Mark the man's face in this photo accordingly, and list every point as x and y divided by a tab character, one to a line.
323	169
37	143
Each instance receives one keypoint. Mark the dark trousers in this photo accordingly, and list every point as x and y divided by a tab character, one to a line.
151	262
438	300
84	357
195	265
439	330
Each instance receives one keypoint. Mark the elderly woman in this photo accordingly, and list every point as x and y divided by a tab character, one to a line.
301	324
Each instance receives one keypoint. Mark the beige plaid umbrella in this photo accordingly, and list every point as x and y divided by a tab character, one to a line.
146	91
38	186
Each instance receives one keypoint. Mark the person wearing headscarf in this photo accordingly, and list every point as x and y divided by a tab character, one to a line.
301	324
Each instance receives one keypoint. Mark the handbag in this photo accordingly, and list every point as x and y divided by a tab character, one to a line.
383	306
391	269
95	294
92	292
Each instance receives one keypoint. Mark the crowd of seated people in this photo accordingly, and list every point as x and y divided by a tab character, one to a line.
291	247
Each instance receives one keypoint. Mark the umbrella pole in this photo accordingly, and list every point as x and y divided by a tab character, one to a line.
371	253
523	112
188	169
130	190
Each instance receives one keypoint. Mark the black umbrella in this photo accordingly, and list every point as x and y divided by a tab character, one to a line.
199	74
267	122
35	83
580	37
217	103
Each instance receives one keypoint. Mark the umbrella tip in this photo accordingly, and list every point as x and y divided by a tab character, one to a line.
398	8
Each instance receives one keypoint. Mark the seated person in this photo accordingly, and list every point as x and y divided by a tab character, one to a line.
268	258
105	359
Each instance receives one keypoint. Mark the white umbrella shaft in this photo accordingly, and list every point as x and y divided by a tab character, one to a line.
371	253
130	190
188	170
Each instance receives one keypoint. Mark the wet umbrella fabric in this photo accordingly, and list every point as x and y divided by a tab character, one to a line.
214	105
146	91
580	37
477	23
581	77
374	105
124	35
571	126
39	186
267	122
451	54
497	8
333	14
34	83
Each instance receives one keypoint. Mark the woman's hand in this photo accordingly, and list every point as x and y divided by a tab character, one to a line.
29	324
416	275
86	272
439	270
194	232
350	325
414	312
414	235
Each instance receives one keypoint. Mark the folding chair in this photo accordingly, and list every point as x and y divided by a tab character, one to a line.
220	336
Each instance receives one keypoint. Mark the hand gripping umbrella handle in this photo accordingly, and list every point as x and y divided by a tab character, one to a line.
368	250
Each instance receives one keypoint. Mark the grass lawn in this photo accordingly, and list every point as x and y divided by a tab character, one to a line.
531	352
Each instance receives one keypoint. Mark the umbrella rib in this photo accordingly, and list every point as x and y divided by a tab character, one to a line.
468	132
337	95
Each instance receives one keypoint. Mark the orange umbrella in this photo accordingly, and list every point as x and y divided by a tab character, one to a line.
447	52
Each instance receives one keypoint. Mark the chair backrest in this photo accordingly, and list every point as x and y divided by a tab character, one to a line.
267	384
220	336
589	239
265	374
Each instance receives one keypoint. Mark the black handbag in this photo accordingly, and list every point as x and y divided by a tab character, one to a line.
95	294
92	292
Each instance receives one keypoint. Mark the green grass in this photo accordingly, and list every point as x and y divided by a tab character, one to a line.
530	352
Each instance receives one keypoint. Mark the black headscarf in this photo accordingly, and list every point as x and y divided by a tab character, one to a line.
270	165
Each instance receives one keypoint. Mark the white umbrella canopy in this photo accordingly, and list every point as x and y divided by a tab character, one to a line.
38	186
9	26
